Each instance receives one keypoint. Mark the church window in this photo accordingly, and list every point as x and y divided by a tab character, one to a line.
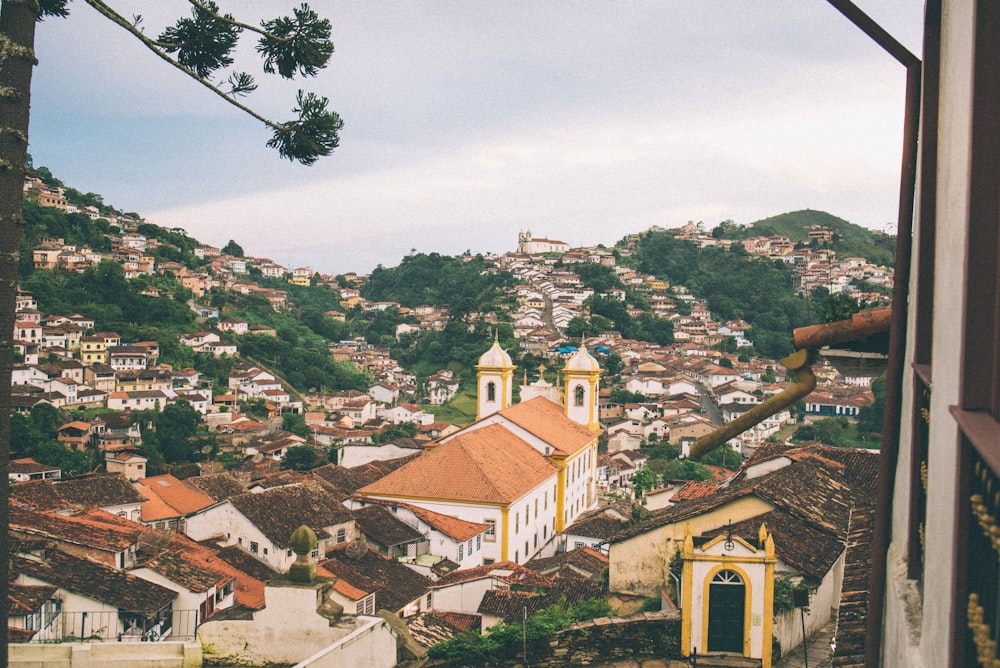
578	396
491	391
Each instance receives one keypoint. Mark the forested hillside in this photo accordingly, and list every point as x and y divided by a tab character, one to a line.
735	286
849	240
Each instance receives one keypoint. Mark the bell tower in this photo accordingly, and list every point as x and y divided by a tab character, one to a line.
581	385
494	381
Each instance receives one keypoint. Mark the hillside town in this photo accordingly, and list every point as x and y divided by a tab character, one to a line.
460	526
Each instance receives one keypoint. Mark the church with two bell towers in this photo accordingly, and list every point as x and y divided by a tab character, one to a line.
525	471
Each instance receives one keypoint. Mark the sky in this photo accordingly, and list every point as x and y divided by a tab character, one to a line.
466	123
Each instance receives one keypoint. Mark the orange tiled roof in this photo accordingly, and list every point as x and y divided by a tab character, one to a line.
694	489
170	497
546	420
450	526
485	465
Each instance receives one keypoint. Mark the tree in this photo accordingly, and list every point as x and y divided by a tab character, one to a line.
296	424
300	458
233	248
176	426
199	47
725	457
644	480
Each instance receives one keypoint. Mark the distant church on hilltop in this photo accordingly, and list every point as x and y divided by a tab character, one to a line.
528	245
524	471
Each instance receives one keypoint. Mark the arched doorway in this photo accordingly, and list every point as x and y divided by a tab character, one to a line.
726	610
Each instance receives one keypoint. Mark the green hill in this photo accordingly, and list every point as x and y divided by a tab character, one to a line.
850	240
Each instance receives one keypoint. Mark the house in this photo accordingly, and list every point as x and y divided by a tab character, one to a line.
92	534
33	609
397	588
262	523
128	464
99	601
111	493
386	534
463	591
138	401
234	325
202	580
26	468
75	435
169	501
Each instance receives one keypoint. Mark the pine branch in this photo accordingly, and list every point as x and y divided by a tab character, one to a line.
315	131
154	46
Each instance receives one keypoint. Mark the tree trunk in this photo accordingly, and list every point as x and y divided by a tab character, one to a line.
17	58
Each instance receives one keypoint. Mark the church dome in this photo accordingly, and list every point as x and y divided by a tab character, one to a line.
496	357
582	361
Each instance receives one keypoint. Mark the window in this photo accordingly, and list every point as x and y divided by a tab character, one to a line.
470	546
517	522
577	545
578	395
253	546
536	509
461	551
239	541
491	391
265	551
491	530
341	535
479	542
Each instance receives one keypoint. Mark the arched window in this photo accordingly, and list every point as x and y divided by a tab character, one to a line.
578	394
491	391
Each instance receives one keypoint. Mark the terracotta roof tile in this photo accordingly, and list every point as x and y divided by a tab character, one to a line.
98	491
506	572
170	497
396	584
695	489
383	527
546	420
219	486
485	465
93	580
280	511
430	628
95	528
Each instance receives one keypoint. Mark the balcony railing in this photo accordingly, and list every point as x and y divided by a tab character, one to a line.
119	626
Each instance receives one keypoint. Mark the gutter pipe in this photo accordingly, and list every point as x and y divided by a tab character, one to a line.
807	340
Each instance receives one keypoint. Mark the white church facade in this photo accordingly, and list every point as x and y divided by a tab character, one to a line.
525	471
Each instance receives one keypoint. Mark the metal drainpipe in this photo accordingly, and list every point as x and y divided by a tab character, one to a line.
805	382
889	454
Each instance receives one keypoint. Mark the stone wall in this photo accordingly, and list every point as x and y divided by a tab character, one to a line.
619	641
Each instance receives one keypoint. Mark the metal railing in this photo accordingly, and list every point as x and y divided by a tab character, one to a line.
118	626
